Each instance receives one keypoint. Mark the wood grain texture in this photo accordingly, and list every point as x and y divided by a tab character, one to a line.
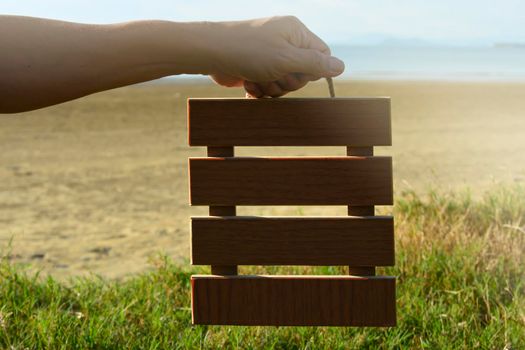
289	122
293	300
291	181
292	241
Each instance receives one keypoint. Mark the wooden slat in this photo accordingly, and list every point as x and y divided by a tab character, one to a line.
293	241
289	122
291	181
293	300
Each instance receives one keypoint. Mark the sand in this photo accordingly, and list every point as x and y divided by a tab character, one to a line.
99	185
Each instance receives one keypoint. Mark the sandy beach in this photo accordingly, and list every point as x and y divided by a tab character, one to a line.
99	185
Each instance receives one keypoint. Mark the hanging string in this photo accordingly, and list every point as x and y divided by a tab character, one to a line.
331	87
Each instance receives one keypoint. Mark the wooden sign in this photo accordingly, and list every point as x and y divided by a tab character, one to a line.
224	240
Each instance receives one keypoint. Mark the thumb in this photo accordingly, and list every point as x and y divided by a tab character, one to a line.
314	62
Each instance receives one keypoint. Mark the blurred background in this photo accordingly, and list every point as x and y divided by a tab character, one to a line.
377	39
99	185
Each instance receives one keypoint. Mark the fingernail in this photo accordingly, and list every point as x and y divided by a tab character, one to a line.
336	65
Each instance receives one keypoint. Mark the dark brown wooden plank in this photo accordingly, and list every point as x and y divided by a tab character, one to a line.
293	241
294	300
290	122
291	181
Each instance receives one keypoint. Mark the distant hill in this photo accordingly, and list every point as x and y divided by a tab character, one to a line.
379	39
509	45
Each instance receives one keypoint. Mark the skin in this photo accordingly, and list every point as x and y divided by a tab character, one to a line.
45	62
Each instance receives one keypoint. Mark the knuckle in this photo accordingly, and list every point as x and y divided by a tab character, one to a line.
292	18
288	20
294	21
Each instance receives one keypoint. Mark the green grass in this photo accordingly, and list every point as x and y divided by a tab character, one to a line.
461	285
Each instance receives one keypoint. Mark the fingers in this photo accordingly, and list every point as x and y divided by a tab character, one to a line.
290	82
314	42
307	77
253	89
300	36
314	62
258	90
227	80
309	54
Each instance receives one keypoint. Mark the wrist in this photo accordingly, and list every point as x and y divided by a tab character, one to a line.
191	46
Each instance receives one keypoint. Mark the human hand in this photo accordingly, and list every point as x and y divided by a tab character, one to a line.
269	56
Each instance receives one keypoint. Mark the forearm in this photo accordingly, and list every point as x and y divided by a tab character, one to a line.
49	62
45	62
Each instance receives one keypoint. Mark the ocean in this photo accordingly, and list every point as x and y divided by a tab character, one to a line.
506	63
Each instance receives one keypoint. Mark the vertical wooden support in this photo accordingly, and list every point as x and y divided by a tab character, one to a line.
216	210
221	151
361	211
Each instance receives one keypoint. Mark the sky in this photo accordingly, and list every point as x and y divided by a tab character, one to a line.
448	22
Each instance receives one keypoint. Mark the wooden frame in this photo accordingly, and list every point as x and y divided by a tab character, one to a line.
223	240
